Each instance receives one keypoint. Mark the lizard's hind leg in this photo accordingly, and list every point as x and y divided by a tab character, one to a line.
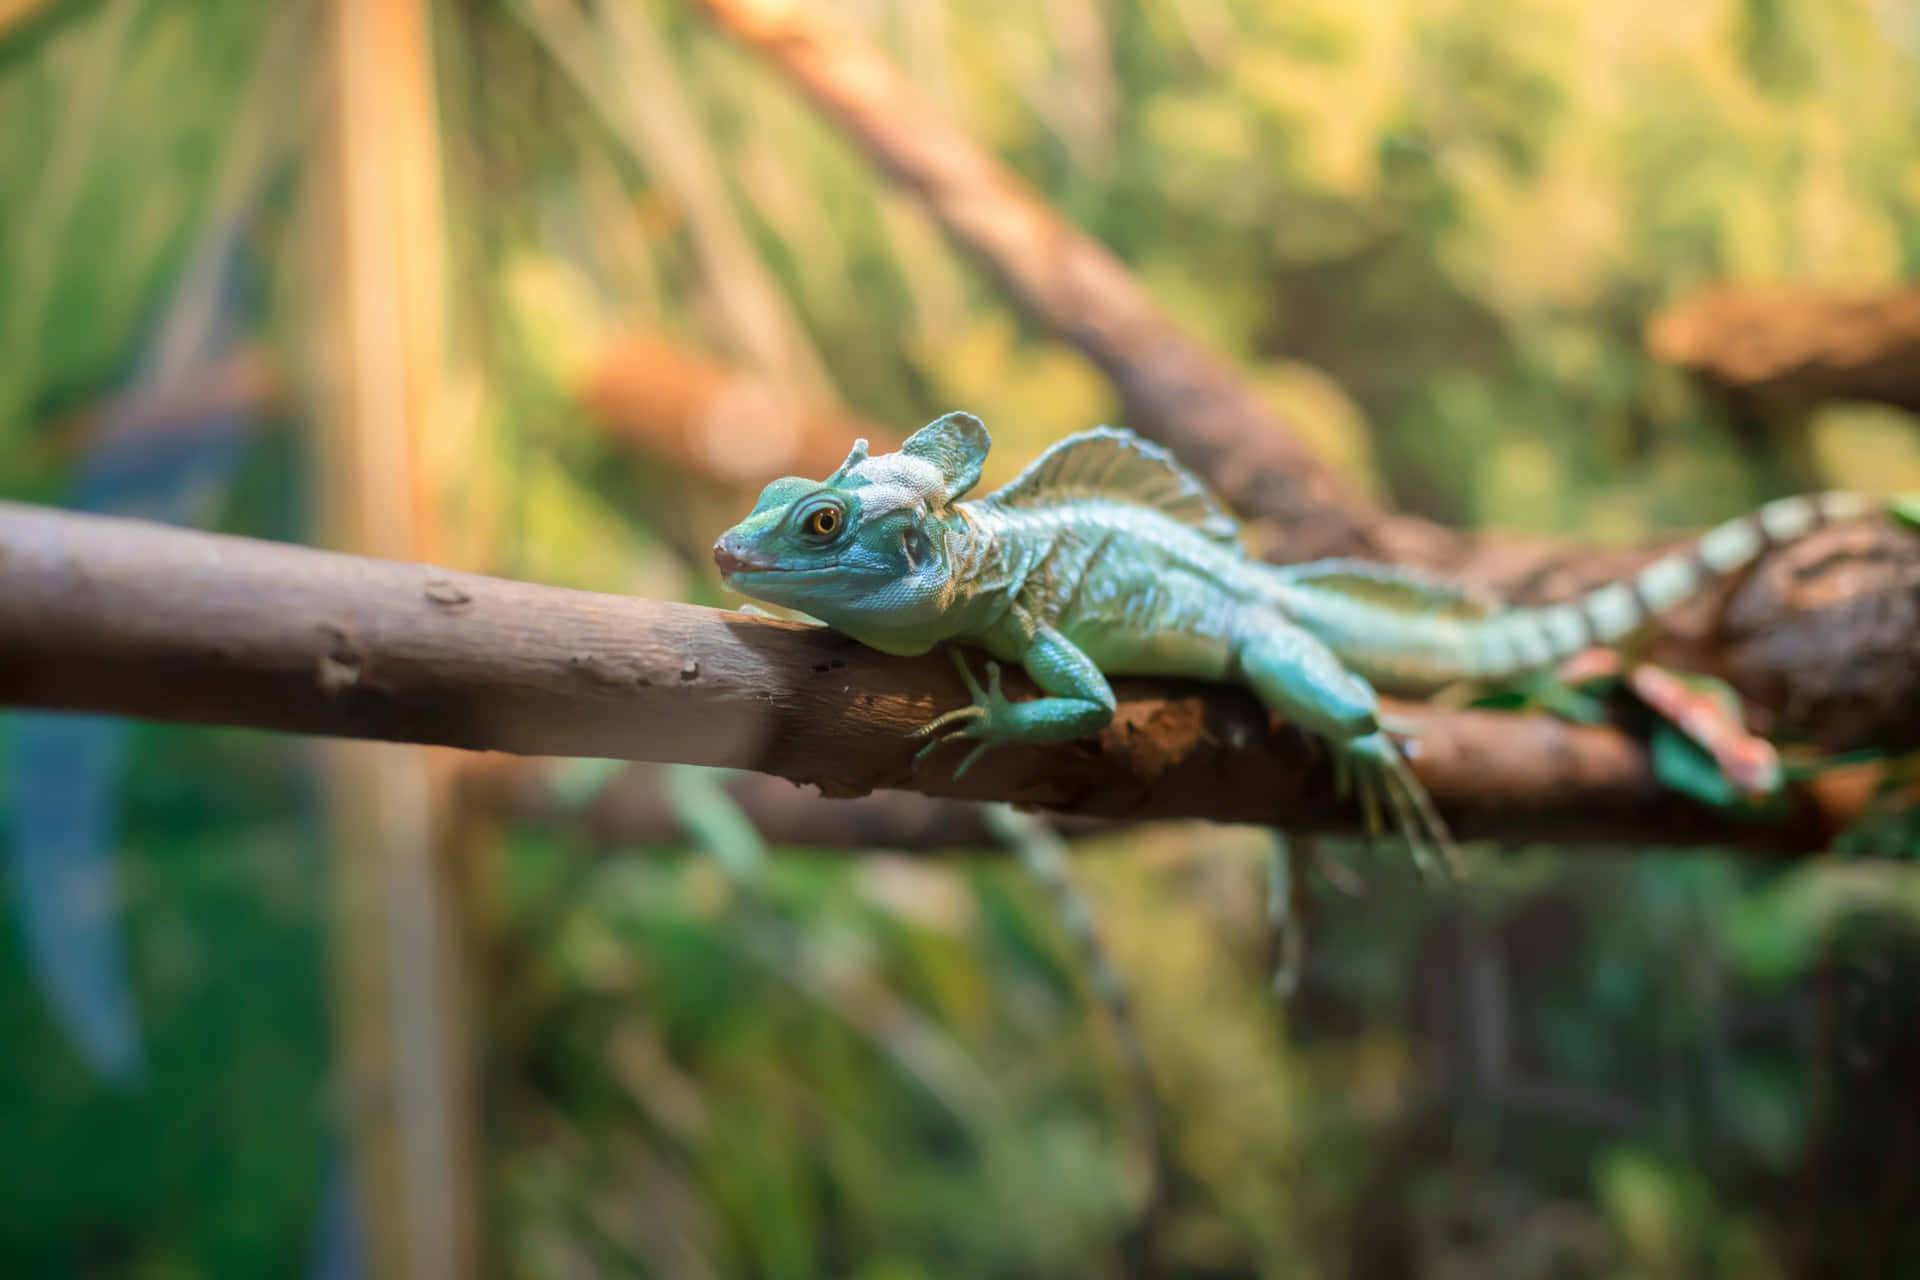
1300	678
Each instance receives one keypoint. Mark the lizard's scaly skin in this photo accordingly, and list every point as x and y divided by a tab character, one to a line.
1107	558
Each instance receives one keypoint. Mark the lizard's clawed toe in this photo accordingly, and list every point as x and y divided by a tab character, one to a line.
959	715
1385	782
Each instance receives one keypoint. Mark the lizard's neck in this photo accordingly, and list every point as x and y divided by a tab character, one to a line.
972	550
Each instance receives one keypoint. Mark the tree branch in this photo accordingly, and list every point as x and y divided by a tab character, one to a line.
1787	349
131	618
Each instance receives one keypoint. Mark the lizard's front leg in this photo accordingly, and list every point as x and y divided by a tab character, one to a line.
1079	702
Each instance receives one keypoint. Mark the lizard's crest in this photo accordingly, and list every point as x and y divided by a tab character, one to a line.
1111	462
954	446
935	468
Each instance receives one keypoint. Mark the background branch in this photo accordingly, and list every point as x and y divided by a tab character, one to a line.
720	425
1787	349
131	618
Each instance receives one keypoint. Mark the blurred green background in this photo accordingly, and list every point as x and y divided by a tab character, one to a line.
1430	232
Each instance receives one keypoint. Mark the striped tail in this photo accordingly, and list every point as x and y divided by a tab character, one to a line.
1513	642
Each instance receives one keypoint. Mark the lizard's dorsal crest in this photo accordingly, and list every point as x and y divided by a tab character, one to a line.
1389	587
1110	462
956	445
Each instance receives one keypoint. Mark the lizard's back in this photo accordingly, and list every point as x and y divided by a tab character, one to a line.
1137	591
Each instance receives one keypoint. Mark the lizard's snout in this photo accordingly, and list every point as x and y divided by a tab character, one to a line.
727	556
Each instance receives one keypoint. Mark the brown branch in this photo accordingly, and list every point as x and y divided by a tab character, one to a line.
1786	349
131	618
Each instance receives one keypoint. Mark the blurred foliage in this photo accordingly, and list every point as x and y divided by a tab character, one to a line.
211	1164
1429	231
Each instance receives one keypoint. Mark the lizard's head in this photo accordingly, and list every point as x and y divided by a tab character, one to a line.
869	543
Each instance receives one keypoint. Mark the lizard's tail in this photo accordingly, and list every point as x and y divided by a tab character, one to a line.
1515	641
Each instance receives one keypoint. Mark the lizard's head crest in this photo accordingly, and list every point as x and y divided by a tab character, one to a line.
867	540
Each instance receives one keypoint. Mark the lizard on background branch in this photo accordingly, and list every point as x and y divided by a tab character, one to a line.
1107	557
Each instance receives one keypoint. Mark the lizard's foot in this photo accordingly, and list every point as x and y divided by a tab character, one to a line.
978	722
1351	776
1382	776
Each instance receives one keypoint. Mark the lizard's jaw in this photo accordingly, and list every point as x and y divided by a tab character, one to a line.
763	579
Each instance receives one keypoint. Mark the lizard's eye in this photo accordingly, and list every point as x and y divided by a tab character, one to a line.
823	522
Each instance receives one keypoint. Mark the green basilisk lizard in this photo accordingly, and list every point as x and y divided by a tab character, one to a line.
1107	557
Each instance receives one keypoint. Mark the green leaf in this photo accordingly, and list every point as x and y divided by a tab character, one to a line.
1579	704
1905	507
1684	765
1582	703
1511	698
